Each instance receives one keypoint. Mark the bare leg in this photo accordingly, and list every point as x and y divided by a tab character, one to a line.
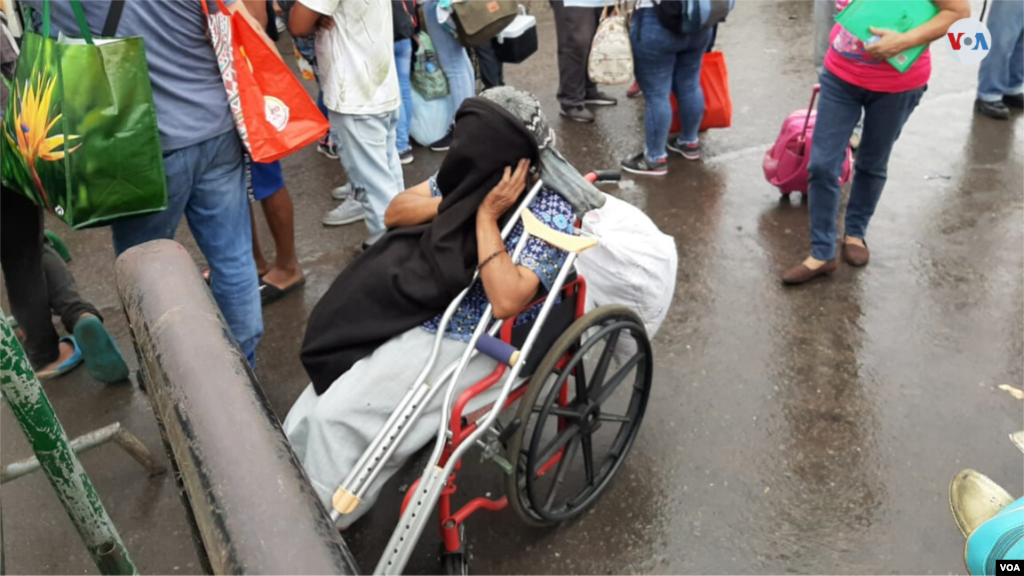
280	214
262	266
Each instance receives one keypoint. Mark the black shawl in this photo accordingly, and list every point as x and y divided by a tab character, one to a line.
413	273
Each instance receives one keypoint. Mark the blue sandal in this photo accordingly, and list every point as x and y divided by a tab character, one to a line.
66	366
102	356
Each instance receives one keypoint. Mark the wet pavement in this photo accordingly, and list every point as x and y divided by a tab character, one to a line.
806	430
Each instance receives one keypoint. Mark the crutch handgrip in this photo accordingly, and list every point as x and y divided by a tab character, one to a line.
344	501
498	349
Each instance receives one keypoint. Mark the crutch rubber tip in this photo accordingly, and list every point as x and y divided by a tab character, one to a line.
344	501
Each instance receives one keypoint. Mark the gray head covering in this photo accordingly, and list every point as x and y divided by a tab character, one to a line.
555	170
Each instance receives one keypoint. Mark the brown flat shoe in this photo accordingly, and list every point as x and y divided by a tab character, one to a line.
856	255
799	274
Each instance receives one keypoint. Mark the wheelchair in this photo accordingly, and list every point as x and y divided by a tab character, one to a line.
559	369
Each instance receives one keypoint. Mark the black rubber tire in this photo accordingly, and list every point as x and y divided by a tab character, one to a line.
455	564
571	342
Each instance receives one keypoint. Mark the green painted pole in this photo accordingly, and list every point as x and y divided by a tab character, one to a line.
31	407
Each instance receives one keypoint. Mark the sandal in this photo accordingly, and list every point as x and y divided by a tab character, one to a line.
102	356
66	366
270	293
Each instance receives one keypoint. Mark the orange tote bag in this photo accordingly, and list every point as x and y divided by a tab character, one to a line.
272	111
714	81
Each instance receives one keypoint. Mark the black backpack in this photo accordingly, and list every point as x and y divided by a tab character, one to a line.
689	16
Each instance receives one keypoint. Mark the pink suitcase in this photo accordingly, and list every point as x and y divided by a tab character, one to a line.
785	163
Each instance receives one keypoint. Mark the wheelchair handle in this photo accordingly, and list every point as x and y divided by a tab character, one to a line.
497	349
603	176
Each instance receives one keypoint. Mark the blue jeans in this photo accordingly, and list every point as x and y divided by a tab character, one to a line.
665	62
403	61
323	110
206	184
839	109
453	57
1002	71
370	158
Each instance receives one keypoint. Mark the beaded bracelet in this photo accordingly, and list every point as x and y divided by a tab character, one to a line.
488	259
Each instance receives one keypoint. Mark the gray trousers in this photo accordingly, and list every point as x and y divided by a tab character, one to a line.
575	28
330	432
368	149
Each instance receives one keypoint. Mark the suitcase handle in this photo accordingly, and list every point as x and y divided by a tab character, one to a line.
810	107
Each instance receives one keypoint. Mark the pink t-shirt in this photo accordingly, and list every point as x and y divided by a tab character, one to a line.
847	59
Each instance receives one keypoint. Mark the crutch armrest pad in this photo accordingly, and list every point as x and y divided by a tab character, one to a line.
567	242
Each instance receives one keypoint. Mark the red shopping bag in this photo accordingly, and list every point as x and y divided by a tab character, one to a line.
273	113
714	81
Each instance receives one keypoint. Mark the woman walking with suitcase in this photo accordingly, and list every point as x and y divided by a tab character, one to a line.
858	78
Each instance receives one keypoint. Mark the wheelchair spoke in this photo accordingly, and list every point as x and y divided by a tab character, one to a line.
616	379
561	469
606	357
559	411
588	457
614	418
580	376
549	451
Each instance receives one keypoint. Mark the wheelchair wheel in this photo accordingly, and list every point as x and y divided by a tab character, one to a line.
582	408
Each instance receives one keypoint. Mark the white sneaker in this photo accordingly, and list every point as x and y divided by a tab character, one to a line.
342	192
349	211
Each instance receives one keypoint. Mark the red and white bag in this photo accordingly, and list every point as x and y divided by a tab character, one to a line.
272	111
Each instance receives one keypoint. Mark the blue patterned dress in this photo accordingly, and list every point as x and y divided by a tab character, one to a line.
543	259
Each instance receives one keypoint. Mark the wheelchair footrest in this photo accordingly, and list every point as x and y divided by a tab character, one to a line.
498	349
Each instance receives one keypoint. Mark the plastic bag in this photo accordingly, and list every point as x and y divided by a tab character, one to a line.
273	113
430	118
714	81
634	264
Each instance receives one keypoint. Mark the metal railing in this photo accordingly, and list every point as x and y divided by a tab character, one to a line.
55	455
252	508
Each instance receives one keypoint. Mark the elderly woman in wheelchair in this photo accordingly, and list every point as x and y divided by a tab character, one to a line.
421	311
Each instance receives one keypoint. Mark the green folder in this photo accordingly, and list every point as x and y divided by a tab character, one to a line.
899	15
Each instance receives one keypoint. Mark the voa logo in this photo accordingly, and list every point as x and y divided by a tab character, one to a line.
968	40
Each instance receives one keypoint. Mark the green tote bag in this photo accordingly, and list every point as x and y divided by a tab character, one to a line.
79	134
